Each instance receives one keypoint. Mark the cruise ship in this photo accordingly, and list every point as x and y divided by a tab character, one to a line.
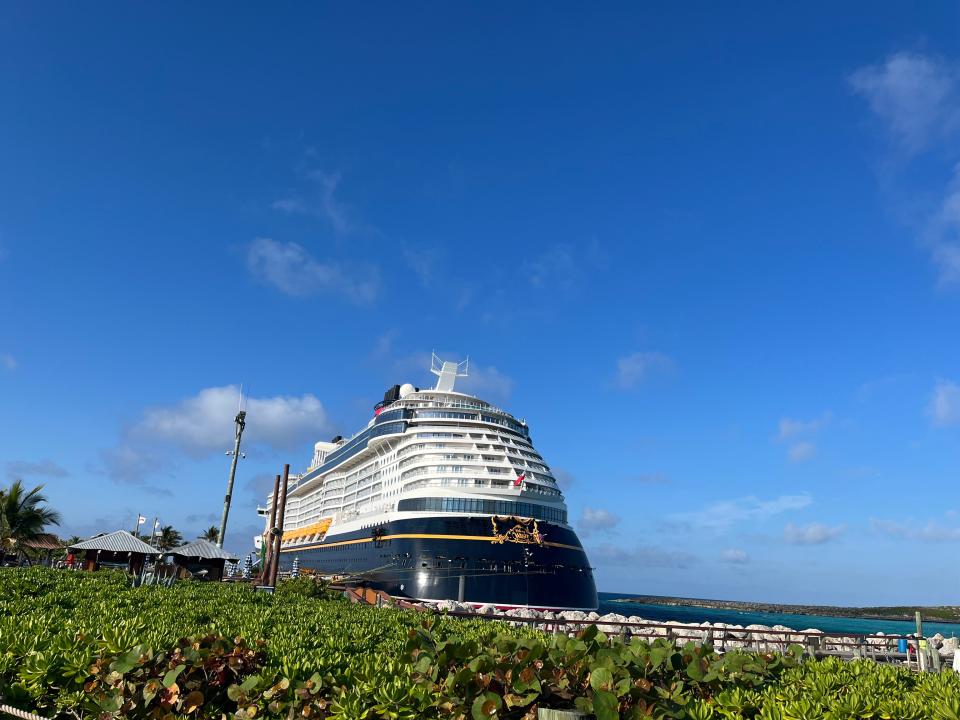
441	496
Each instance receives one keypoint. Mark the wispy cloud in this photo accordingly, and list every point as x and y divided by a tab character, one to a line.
790	427
791	430
321	201
43	468
942	235
291	269
916	96
633	369
812	534
931	531
8	362
944	407
596	520
487	382
561	266
422	261
726	513
202	425
801	451
643	556
734	556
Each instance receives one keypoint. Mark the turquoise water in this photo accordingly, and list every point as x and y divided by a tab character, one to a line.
797	622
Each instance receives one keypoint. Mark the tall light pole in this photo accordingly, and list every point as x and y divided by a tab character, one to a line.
240	421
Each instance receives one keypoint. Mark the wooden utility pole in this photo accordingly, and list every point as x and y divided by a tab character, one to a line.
268	536
275	564
240	422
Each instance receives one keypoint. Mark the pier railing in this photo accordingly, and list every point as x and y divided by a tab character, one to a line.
817	644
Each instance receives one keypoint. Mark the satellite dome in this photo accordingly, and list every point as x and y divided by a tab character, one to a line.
406	389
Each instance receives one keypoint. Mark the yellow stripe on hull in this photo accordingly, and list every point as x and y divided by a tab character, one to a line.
413	536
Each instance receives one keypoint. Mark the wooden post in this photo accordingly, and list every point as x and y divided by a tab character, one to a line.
921	643
275	567
268	556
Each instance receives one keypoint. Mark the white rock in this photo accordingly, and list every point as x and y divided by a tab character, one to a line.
487	609
949	646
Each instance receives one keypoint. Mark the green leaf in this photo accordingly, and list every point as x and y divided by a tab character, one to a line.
125	663
605	705
601	679
486	706
171	677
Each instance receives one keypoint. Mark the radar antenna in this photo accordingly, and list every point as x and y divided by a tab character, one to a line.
447	372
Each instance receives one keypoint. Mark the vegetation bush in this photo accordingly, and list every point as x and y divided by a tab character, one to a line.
88	645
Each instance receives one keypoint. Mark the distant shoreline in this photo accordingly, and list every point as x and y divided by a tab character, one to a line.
948	614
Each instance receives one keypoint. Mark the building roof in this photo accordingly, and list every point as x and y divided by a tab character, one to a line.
202	549
44	541
118	541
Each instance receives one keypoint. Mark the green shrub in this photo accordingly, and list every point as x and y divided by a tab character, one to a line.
89	644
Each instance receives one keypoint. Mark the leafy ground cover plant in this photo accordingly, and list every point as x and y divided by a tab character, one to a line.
89	646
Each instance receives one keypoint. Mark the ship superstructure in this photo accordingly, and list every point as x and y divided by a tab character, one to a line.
441	496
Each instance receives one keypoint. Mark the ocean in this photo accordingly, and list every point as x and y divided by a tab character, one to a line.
696	615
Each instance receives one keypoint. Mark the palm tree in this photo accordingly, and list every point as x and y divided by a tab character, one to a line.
212	534
168	538
23	516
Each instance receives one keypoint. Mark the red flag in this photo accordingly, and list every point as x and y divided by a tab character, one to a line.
519	479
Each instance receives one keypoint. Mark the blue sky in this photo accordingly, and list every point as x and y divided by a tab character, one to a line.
711	255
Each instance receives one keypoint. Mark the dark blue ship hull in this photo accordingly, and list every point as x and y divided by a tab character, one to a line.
501	561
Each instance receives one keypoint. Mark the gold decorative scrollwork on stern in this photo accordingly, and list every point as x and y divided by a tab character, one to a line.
525	531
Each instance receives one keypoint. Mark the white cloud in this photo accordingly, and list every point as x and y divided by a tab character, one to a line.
323	202
634	369
597	520
932	531
8	362
918	98
422	261
43	468
725	513
556	267
915	95
203	425
801	451
789	427
291	269
944	407
383	348
486	382
942	236
561	266
611	555
735	556
812	534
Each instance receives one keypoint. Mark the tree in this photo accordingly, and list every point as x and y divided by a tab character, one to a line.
212	534
23	516
169	538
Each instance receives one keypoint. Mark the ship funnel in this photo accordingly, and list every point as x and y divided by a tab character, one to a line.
447	372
